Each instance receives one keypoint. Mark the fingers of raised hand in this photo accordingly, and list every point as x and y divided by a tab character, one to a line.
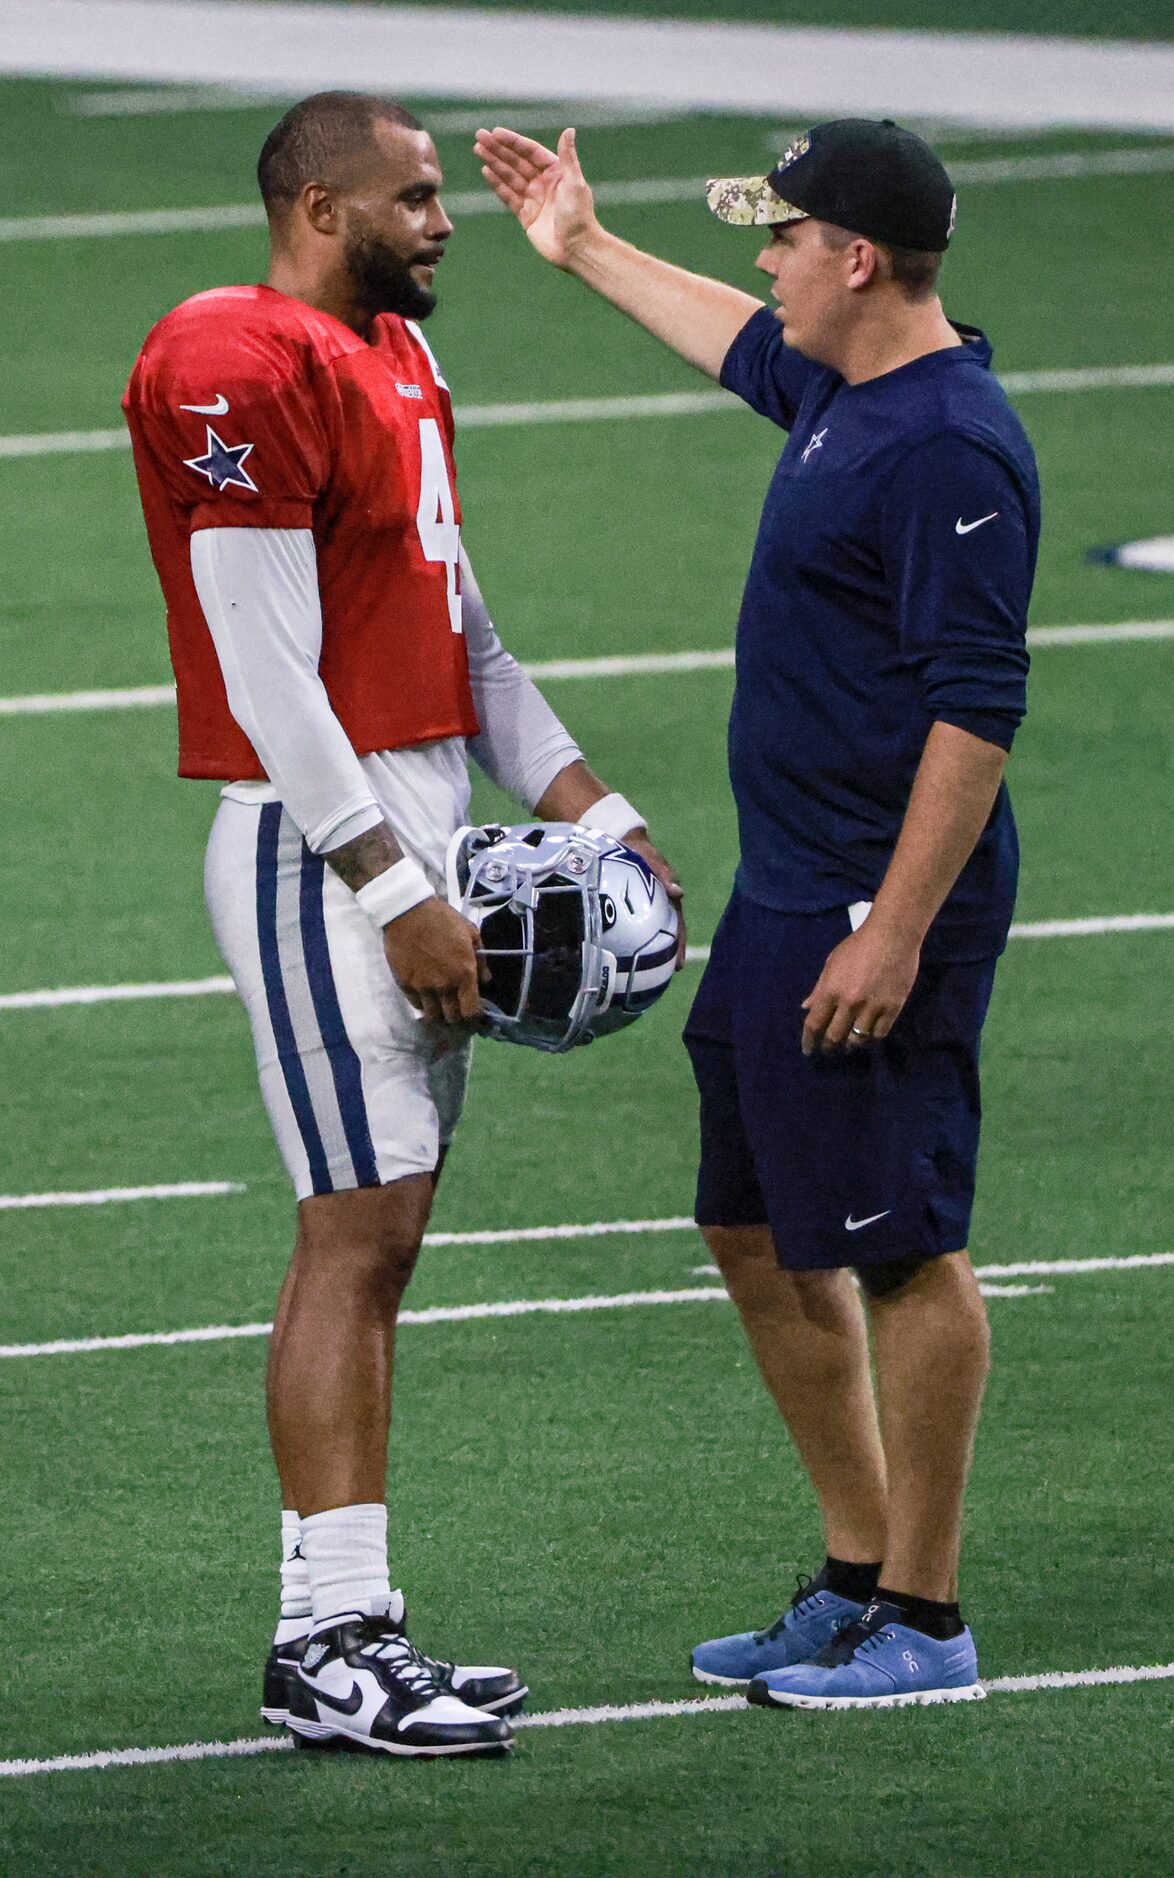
512	197
524	150
568	153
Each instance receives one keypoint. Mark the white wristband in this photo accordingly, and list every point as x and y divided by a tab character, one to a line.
393	892
612	815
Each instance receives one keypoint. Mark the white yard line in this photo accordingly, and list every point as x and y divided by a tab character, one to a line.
461	203
1048	1681
609	665
64	443
453	52
1031	1268
1064	167
442	1314
598	1229
1098	925
1064	1268
19	445
174	101
110	1196
136	698
559	1307
637	192
1116	633
113	994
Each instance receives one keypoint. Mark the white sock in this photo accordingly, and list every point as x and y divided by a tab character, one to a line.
346	1555
295	1581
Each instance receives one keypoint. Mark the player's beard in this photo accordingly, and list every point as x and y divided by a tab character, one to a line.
381	279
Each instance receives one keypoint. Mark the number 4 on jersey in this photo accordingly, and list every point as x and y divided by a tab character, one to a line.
436	516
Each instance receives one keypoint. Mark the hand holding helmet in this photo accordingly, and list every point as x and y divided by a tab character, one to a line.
578	934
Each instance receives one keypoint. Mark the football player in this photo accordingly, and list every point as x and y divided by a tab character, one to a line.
334	657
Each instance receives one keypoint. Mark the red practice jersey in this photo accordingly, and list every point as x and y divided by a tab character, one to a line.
249	409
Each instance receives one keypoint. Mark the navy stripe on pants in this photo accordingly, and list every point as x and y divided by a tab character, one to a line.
283	1031
344	1062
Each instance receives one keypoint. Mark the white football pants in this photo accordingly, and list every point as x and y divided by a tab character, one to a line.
359	1090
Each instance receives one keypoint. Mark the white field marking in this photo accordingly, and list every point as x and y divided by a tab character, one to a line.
110	1196
21	444
58	996
988	1291
65	443
1016	1291
558	1307
1121	631
638	192
1033	1268
1064	1268
113	994
1124	1675
994	1685
460	204
455	52
1098	926
610	665
599	1229
135	698
1094	927
441	1314
172	100
1064	167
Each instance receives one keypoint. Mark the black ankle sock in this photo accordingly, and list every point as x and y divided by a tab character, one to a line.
933	1620
848	1580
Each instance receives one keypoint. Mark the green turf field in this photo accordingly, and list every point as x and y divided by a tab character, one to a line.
584	1494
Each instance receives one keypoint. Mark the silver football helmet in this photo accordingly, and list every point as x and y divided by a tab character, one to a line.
578	932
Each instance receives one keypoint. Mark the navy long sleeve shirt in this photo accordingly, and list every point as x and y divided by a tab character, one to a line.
888	592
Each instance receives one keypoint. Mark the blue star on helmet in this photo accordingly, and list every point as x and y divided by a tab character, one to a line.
223	463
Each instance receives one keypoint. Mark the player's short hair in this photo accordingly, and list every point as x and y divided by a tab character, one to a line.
915	270
322	140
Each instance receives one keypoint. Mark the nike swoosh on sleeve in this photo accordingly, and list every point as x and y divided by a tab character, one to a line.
209	410
965	528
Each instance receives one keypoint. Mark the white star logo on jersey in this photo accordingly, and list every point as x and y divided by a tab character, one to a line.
223	463
817	437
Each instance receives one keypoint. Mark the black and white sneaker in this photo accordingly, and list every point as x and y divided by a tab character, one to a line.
494	1691
361	1683
281	1674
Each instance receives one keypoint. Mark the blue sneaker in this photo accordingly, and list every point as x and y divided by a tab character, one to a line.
876	1663
811	1620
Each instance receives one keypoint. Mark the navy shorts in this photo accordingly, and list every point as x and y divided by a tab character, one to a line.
854	1158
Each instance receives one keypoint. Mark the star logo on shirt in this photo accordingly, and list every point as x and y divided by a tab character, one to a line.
223	463
817	437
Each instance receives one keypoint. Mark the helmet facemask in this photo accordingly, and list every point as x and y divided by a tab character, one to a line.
535	900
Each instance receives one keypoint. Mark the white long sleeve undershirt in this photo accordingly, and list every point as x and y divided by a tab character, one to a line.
258	588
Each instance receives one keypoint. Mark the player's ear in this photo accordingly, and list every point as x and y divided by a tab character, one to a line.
320	208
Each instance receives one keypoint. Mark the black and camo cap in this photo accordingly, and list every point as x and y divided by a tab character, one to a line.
861	173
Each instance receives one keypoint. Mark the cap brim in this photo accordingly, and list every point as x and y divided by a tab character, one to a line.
749	202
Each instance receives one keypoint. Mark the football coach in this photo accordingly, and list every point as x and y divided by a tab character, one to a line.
881	672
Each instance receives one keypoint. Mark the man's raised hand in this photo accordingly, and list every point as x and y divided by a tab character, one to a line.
547	191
